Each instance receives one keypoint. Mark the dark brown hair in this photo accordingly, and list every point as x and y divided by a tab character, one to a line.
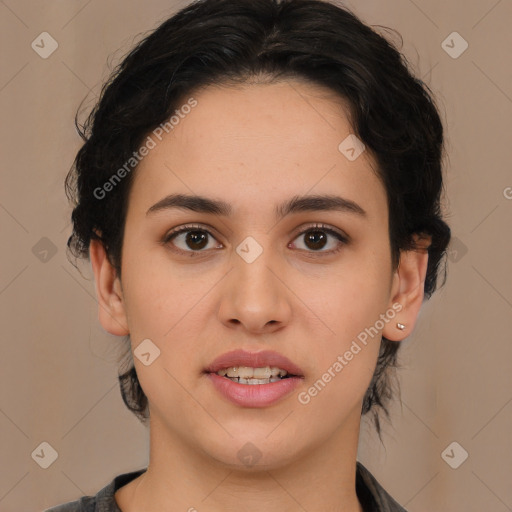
236	41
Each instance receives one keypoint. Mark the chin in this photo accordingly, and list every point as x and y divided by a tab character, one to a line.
254	453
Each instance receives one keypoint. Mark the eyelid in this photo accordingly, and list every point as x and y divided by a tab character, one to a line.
321	226
189	227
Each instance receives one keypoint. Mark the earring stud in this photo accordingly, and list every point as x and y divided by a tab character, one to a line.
400	326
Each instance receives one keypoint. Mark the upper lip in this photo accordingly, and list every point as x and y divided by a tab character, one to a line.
254	360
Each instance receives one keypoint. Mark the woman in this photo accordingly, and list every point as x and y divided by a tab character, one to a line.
259	196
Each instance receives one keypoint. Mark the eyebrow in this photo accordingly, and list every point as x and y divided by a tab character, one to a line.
296	204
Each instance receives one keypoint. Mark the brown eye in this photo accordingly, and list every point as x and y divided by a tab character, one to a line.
196	239
316	238
190	239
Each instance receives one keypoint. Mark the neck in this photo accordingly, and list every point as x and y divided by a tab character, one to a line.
181	477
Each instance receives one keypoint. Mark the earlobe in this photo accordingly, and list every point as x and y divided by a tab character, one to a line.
111	307
408	290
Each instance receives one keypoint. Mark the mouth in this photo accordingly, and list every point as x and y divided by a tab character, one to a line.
250	375
254	367
257	379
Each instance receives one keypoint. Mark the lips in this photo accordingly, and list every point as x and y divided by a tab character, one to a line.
255	360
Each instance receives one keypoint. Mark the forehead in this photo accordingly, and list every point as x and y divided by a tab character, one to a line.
255	144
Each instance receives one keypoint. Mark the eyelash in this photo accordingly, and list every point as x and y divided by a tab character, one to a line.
314	227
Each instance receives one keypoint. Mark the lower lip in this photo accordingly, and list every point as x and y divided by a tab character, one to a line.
254	395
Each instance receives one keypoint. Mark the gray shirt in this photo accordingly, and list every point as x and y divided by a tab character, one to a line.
372	496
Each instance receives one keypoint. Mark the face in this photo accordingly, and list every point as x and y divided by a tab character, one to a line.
305	285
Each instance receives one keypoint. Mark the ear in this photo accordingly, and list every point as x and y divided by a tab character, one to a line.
111	311
408	289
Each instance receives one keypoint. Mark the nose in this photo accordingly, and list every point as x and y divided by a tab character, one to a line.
254	296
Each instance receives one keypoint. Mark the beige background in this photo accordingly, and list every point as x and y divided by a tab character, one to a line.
58	367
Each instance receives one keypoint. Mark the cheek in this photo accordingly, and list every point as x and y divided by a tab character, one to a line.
353	312
162	308
338	392
171	310
352	298
346	354
157	298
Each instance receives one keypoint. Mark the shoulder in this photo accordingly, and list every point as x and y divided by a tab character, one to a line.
372	495
103	501
84	504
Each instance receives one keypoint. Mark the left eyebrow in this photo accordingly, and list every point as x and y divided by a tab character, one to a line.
296	204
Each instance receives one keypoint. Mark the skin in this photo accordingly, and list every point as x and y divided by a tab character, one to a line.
255	146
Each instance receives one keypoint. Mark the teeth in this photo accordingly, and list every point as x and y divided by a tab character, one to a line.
246	372
254	381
